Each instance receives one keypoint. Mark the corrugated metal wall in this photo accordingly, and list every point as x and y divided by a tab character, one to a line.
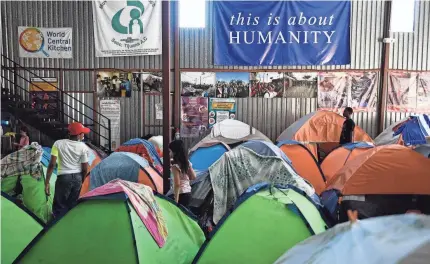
411	51
271	116
77	75
75	14
196	45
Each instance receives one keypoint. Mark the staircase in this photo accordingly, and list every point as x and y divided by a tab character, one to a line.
47	108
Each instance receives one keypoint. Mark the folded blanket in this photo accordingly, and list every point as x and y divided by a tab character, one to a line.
25	161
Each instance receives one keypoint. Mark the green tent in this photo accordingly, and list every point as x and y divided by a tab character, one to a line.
32	193
107	229
266	222
18	229
23	178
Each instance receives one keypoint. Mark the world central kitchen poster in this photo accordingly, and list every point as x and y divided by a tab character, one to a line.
264	33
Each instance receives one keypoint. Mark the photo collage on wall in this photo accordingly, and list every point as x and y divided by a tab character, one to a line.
123	84
409	91
199	91
333	91
337	90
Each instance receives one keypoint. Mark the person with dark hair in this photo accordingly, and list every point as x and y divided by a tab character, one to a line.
182	172
71	155
147	137
24	140
347	134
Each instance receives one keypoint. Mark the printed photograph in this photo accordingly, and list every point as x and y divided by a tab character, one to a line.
300	84
363	90
114	84
198	84
332	90
232	84
423	92
149	81
402	91
267	84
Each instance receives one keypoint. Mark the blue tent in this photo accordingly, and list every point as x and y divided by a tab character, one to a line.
389	239
265	148
203	157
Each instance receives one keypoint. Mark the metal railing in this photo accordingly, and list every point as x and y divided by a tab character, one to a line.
64	101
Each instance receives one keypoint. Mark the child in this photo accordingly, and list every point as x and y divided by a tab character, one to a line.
182	172
25	140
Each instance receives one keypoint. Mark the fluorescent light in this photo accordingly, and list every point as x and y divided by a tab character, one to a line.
192	13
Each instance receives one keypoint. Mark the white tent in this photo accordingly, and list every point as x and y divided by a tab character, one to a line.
232	131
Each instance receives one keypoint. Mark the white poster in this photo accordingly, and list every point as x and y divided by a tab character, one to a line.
127	28
112	110
222	115
158	111
45	42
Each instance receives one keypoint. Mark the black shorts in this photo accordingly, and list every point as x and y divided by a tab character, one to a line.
184	199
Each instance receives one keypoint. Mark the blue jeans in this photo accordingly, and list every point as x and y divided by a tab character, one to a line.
67	189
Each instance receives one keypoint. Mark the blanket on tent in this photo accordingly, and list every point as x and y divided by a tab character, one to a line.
25	161
414	130
242	168
145	149
143	201
119	165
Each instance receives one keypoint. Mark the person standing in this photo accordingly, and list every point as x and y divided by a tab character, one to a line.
347	134
24	140
182	172
71	155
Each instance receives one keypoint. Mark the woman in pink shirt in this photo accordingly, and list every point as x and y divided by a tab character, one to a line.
182	172
25	140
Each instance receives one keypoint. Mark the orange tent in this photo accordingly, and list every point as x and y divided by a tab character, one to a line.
126	166
390	169
304	163
322	128
340	156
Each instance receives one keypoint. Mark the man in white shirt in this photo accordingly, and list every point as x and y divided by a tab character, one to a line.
71	156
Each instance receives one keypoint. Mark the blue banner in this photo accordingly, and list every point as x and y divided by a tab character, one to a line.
264	33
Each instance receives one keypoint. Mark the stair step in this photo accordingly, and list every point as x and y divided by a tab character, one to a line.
47	115
56	124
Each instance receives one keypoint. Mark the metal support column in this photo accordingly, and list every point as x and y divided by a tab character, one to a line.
166	92
385	62
177	82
